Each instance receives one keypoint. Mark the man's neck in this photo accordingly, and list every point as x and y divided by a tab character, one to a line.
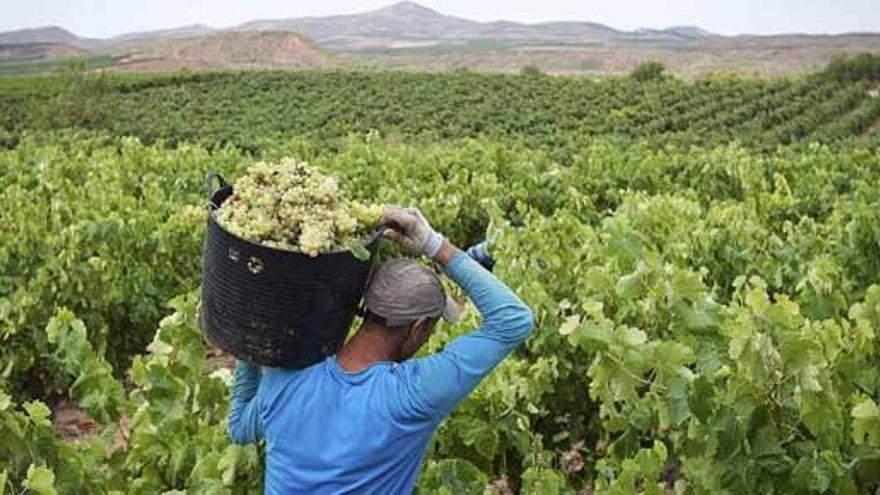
367	347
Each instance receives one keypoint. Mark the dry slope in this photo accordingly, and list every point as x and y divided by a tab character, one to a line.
226	50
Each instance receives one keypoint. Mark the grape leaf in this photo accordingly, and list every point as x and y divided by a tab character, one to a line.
40	480
866	423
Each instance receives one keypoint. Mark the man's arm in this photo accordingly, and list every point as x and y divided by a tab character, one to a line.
439	382
244	422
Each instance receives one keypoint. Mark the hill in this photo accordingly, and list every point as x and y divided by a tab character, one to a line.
192	31
410	36
398	25
227	50
407	24
48	34
404	24
42	50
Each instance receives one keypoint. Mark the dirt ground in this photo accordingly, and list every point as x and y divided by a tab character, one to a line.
749	55
72	424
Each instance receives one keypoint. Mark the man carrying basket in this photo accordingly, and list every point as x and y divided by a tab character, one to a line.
361	421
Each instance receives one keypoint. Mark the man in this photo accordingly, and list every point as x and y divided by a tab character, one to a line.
360	422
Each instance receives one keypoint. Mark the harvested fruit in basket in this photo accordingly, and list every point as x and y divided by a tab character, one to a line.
292	205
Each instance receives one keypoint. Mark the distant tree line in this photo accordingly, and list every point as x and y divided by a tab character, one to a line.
862	67
651	70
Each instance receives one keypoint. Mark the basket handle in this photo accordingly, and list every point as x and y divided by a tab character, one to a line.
209	180
375	237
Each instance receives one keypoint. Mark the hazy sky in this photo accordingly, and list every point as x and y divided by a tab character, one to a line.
102	18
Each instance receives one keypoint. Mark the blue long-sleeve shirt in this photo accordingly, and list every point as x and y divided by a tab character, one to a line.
332	431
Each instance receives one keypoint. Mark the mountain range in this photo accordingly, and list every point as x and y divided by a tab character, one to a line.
403	24
407	34
408	24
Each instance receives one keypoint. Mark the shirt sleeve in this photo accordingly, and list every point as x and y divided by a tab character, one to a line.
437	383
244	421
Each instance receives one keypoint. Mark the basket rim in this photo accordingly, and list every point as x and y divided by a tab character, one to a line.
212	209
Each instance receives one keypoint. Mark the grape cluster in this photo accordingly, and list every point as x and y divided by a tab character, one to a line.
291	205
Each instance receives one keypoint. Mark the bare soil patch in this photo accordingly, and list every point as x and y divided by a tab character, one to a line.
71	423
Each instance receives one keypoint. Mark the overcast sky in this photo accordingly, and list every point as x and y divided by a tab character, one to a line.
103	18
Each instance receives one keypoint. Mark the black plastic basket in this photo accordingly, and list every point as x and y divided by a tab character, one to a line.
276	307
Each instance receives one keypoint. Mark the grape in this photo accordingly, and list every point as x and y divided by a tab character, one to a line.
291	205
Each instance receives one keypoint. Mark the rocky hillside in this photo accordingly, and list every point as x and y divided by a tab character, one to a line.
407	24
409	35
401	25
35	51
226	50
49	34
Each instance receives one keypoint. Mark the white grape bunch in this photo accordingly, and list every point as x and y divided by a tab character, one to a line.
291	205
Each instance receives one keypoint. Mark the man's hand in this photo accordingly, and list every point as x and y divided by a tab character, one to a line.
409	227
480	254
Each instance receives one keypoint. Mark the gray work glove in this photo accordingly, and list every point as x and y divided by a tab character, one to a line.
409	227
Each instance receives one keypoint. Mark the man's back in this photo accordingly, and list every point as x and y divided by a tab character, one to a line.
340	432
332	431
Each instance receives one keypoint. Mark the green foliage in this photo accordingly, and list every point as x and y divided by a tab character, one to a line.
94	387
40	480
542	481
108	232
638	474
173	436
253	110
707	313
532	71
54	65
649	71
866	423
79	98
708	317
452	477
861	67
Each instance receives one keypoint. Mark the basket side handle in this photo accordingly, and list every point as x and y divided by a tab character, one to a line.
375	237
209	182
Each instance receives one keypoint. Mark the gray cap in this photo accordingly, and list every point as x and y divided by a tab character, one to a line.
402	290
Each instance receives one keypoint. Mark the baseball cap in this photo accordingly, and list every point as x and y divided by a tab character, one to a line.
403	290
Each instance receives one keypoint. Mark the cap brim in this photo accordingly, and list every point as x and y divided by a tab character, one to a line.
451	311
